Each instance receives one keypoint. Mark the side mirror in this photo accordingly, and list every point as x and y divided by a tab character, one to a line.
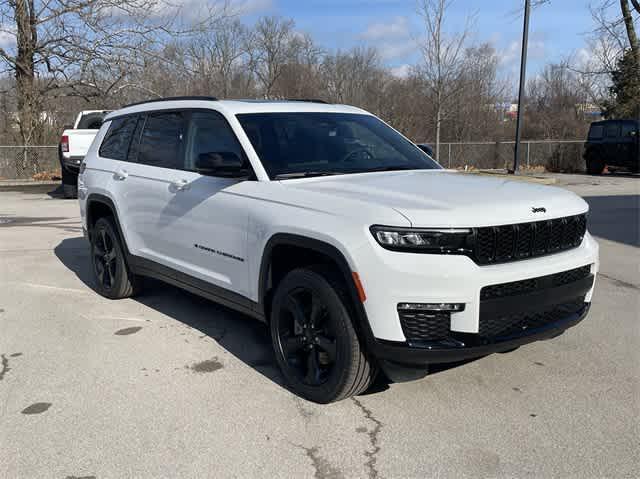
223	163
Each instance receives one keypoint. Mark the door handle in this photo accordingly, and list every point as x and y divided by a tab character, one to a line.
121	174
180	185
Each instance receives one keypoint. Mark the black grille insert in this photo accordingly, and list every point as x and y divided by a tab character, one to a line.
499	244
424	326
497	326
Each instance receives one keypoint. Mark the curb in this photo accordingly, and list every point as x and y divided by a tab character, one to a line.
13	183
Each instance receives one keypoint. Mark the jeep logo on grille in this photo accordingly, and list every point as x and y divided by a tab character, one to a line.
542	209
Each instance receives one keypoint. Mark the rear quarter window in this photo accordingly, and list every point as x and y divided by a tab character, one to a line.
117	140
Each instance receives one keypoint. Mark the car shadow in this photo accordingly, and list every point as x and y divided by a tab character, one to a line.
246	338
615	218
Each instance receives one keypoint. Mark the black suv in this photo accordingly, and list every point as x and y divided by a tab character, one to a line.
613	143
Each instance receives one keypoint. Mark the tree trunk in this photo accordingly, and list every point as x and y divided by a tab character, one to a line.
631	31
26	38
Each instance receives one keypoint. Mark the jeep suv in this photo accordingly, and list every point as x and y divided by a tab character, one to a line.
613	143
360	252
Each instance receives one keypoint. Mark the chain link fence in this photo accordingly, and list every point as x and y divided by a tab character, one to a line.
28	162
552	155
31	162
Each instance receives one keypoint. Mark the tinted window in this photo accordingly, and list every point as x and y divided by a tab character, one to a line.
134	147
611	131
116	142
329	143
596	132
209	132
628	129
162	141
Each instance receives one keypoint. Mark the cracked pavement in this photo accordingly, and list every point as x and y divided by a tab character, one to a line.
171	385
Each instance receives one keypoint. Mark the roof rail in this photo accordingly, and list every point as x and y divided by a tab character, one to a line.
308	100
173	98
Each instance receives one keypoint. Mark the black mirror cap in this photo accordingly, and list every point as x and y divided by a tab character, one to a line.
221	163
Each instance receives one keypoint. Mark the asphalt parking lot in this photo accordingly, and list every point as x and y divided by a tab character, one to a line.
171	385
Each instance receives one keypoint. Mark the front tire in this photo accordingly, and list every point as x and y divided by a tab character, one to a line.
316	345
112	276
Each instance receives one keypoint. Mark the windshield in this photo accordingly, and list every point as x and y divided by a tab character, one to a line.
294	145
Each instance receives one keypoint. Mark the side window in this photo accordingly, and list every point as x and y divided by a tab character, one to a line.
628	129
134	148
612	130
162	141
596	132
116	142
209	132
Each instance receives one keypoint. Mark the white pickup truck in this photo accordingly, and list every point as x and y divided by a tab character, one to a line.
74	144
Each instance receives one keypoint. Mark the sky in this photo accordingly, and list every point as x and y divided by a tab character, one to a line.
557	29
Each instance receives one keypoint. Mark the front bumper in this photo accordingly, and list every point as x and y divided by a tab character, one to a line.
390	278
461	347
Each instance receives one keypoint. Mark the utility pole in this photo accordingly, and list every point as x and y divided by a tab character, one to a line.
523	74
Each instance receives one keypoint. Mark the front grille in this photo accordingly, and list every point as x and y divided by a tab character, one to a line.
528	285
499	244
425	326
496	326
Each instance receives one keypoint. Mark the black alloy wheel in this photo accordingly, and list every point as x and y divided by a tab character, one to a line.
306	336
314	338
113	278
104	258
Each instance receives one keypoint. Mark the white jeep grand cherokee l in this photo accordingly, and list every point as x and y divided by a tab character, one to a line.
356	247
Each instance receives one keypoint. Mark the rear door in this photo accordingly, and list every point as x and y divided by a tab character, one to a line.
611	143
156	154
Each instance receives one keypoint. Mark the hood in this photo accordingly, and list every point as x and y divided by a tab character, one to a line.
439	198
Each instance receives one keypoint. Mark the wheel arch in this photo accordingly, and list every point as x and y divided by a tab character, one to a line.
99	206
316	250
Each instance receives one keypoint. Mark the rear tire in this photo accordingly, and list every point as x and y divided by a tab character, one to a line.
315	342
595	165
111	273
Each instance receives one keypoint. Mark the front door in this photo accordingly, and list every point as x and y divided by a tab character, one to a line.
199	222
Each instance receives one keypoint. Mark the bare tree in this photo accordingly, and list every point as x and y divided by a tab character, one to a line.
76	47
269	48
442	58
217	55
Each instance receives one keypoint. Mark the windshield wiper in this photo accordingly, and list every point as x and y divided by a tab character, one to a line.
305	174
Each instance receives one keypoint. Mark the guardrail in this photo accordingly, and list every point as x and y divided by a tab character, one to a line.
28	162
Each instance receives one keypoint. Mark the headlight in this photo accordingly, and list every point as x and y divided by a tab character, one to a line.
420	240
